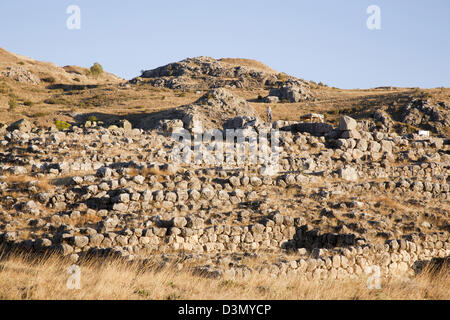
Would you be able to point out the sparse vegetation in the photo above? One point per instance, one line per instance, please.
(28, 103)
(96, 70)
(4, 88)
(92, 119)
(55, 100)
(119, 280)
(12, 104)
(373, 208)
(50, 80)
(38, 114)
(62, 125)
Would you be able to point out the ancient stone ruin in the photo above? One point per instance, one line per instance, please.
(214, 109)
(114, 192)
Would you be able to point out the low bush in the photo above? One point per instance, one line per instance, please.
(12, 104)
(62, 125)
(96, 70)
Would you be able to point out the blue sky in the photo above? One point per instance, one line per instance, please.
(323, 40)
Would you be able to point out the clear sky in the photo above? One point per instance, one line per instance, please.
(321, 40)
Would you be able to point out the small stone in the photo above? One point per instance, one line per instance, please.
(80, 241)
(179, 222)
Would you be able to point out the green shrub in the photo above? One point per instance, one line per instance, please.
(96, 69)
(4, 88)
(12, 104)
(28, 103)
(38, 114)
(55, 101)
(92, 119)
(62, 125)
(76, 79)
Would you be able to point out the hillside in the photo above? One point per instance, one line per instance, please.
(51, 73)
(70, 93)
(89, 174)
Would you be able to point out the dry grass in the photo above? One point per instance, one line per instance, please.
(390, 203)
(248, 63)
(43, 184)
(89, 218)
(45, 278)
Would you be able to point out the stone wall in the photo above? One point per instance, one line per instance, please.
(322, 255)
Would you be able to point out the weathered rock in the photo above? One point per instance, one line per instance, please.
(313, 128)
(22, 125)
(179, 222)
(347, 124)
(22, 75)
(348, 174)
(271, 99)
(80, 241)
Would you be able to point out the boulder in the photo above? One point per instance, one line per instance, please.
(80, 241)
(179, 222)
(350, 134)
(125, 124)
(171, 126)
(291, 91)
(241, 122)
(104, 172)
(317, 128)
(348, 174)
(271, 99)
(347, 124)
(22, 125)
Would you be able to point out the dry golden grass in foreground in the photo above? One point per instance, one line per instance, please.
(46, 278)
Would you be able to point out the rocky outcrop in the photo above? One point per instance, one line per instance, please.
(22, 125)
(202, 73)
(422, 114)
(291, 91)
(213, 109)
(20, 74)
